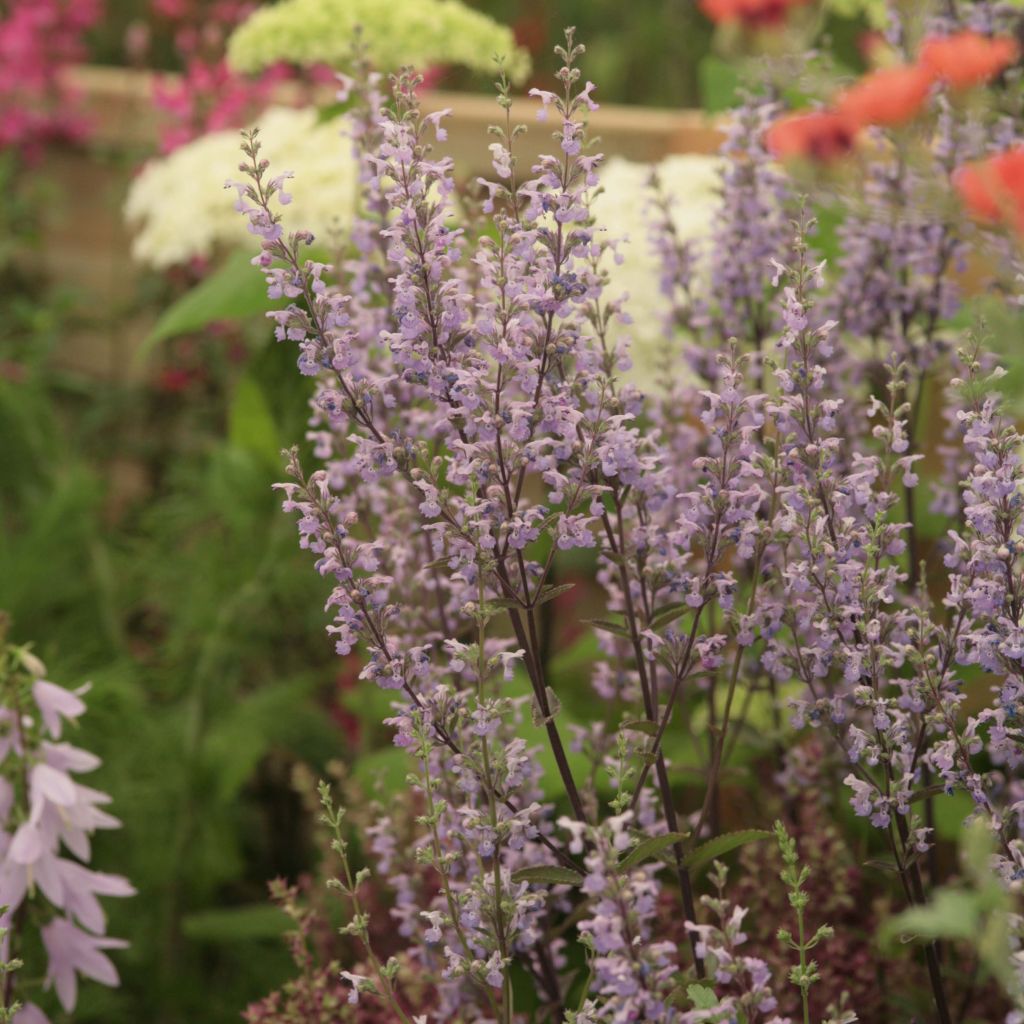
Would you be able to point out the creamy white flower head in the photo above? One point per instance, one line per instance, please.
(693, 183)
(183, 210)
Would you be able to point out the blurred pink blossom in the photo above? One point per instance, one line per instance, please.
(38, 39)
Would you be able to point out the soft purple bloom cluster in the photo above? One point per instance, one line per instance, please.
(46, 815)
(752, 228)
(757, 536)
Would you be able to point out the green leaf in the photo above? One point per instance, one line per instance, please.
(650, 848)
(668, 614)
(719, 81)
(605, 626)
(937, 789)
(252, 921)
(233, 292)
(524, 989)
(551, 592)
(950, 814)
(702, 997)
(251, 425)
(548, 875)
(882, 865)
(720, 845)
(641, 725)
(952, 914)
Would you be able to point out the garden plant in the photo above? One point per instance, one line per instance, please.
(757, 523)
(668, 523)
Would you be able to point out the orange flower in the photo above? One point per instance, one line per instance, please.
(993, 189)
(752, 13)
(968, 58)
(822, 135)
(886, 97)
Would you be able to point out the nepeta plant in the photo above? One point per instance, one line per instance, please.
(756, 529)
(48, 819)
(794, 877)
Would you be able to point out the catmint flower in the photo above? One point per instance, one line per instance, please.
(755, 525)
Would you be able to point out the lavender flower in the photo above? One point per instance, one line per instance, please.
(756, 536)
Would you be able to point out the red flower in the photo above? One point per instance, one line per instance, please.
(174, 379)
(993, 189)
(822, 135)
(968, 58)
(752, 13)
(886, 97)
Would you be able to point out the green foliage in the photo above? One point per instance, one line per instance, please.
(719, 81)
(545, 875)
(701, 997)
(233, 292)
(251, 426)
(235, 924)
(794, 877)
(198, 622)
(704, 854)
(647, 849)
(979, 911)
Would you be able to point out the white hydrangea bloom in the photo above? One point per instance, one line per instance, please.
(182, 209)
(694, 184)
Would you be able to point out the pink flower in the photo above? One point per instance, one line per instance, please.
(54, 703)
(75, 824)
(48, 783)
(28, 844)
(82, 886)
(67, 758)
(31, 859)
(31, 1014)
(55, 810)
(71, 952)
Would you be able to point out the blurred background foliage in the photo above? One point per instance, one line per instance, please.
(656, 53)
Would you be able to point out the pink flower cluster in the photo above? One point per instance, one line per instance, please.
(208, 96)
(42, 808)
(38, 39)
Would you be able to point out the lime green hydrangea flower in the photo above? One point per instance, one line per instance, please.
(396, 33)
(873, 10)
